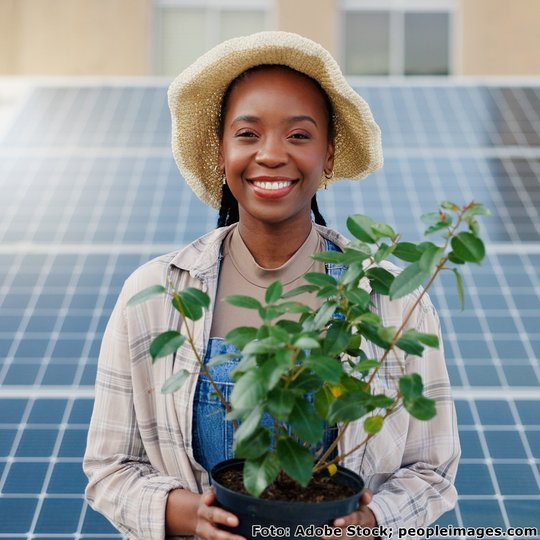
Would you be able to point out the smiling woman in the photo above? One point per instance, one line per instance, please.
(259, 125)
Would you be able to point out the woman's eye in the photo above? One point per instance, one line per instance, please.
(299, 136)
(246, 134)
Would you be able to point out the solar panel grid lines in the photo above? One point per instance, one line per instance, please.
(94, 192)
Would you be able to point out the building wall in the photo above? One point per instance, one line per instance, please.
(75, 37)
(316, 20)
(498, 37)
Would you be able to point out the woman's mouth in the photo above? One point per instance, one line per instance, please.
(272, 188)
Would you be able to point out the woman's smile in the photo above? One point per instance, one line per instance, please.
(272, 187)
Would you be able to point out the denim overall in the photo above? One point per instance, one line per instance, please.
(212, 434)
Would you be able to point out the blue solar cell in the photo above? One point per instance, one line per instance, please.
(60, 374)
(47, 411)
(474, 349)
(10, 323)
(68, 348)
(523, 513)
(25, 477)
(32, 348)
(73, 443)
(7, 436)
(59, 516)
(470, 444)
(37, 443)
(41, 323)
(533, 438)
(521, 375)
(81, 411)
(17, 514)
(22, 374)
(504, 444)
(474, 479)
(529, 412)
(516, 479)
(464, 414)
(89, 375)
(481, 513)
(95, 523)
(12, 410)
(493, 412)
(510, 348)
(67, 478)
(482, 376)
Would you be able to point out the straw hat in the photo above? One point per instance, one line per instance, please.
(195, 103)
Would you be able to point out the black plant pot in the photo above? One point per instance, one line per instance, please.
(260, 518)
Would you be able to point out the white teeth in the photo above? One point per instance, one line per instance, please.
(271, 185)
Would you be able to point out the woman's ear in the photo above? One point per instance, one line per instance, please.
(330, 152)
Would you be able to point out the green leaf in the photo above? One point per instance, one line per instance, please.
(421, 407)
(383, 252)
(292, 327)
(280, 403)
(242, 301)
(145, 294)
(252, 447)
(222, 358)
(371, 333)
(437, 227)
(166, 343)
(474, 226)
(327, 368)
(430, 258)
(358, 297)
(468, 247)
(299, 290)
(407, 281)
(476, 209)
(353, 274)
(241, 336)
(185, 304)
(306, 382)
(249, 425)
(332, 257)
(410, 345)
(337, 338)
(361, 227)
(322, 400)
(347, 407)
(373, 424)
(448, 205)
(459, 284)
(324, 314)
(407, 251)
(410, 386)
(382, 230)
(380, 279)
(273, 293)
(380, 401)
(196, 296)
(274, 367)
(452, 257)
(305, 423)
(260, 473)
(293, 307)
(295, 460)
(431, 218)
(320, 279)
(366, 365)
(249, 390)
(279, 334)
(172, 384)
(306, 342)
(386, 333)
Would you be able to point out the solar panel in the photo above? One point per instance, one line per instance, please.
(90, 191)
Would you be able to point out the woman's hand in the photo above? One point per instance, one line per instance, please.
(209, 516)
(363, 517)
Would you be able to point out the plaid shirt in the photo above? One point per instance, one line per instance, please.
(140, 441)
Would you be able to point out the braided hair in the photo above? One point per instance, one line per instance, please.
(228, 212)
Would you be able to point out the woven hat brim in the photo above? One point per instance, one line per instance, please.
(195, 101)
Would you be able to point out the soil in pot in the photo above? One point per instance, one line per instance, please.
(286, 518)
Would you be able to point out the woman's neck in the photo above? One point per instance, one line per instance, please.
(273, 245)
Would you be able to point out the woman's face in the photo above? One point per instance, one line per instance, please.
(275, 146)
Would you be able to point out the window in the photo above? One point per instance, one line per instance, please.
(397, 37)
(185, 29)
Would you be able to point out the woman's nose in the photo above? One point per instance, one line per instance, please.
(271, 152)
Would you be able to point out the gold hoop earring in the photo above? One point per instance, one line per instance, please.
(330, 175)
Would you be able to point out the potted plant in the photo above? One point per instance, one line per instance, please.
(306, 375)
